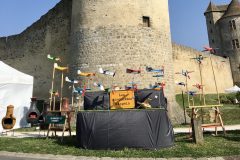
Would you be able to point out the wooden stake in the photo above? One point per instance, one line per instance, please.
(215, 120)
(200, 71)
(54, 102)
(185, 120)
(186, 82)
(61, 93)
(51, 94)
(221, 121)
(204, 100)
(72, 93)
(215, 79)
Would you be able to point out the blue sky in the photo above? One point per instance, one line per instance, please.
(187, 20)
(188, 25)
(17, 15)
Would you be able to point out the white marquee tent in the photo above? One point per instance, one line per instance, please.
(233, 89)
(15, 89)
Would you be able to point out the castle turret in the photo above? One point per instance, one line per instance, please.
(230, 33)
(224, 33)
(212, 15)
(121, 34)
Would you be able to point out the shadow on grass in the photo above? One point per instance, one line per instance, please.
(183, 137)
(70, 141)
(233, 135)
(230, 136)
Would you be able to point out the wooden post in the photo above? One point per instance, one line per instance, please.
(185, 120)
(214, 79)
(216, 116)
(200, 71)
(221, 121)
(72, 93)
(197, 131)
(51, 94)
(217, 109)
(61, 92)
(186, 83)
(54, 102)
(204, 100)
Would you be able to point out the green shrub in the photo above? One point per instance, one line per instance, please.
(238, 96)
(224, 99)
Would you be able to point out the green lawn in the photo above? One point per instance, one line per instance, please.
(213, 146)
(184, 147)
(230, 112)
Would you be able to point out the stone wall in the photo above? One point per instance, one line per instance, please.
(28, 51)
(221, 67)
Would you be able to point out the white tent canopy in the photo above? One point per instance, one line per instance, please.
(233, 89)
(15, 89)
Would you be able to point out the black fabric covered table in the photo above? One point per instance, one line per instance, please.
(147, 129)
(100, 100)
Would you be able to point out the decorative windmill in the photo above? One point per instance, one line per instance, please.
(72, 81)
(192, 94)
(99, 85)
(134, 72)
(158, 73)
(198, 86)
(107, 73)
(86, 74)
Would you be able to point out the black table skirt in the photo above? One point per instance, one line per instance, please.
(147, 129)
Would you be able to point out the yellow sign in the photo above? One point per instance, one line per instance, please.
(122, 99)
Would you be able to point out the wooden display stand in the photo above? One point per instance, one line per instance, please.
(218, 122)
(59, 122)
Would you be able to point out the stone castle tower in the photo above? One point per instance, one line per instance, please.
(223, 24)
(122, 34)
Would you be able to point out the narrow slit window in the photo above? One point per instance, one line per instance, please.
(232, 25)
(235, 44)
(146, 21)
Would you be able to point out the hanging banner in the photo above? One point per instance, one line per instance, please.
(122, 99)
